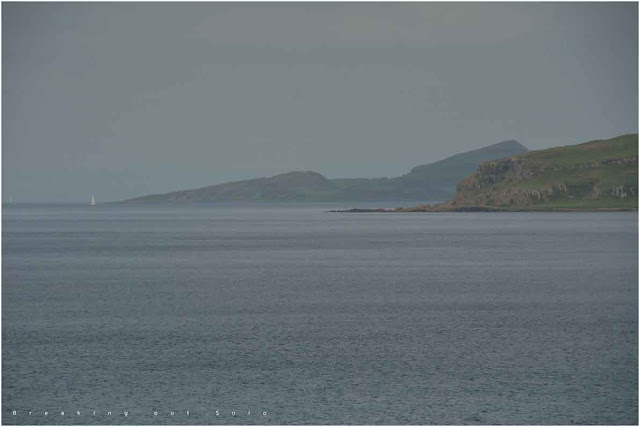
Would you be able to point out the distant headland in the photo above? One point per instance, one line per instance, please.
(433, 181)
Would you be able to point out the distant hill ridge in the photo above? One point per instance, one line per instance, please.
(495, 151)
(433, 181)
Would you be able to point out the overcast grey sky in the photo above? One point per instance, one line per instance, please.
(126, 99)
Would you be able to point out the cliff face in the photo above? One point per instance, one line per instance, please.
(594, 174)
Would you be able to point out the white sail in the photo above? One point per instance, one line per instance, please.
(93, 202)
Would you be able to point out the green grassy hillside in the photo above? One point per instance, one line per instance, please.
(599, 174)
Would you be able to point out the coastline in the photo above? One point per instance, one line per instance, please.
(436, 209)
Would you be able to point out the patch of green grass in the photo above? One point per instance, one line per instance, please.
(595, 151)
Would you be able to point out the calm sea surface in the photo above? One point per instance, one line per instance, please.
(316, 317)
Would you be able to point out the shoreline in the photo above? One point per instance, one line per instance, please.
(478, 209)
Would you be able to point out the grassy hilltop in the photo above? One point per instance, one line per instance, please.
(600, 174)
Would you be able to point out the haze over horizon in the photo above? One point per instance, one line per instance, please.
(125, 99)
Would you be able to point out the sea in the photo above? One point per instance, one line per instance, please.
(291, 314)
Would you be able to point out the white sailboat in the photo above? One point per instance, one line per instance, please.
(93, 201)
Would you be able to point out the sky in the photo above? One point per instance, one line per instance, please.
(126, 99)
